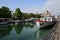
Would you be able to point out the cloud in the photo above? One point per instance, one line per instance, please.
(51, 5)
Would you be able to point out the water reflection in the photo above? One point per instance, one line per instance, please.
(5, 30)
(28, 24)
(19, 27)
(41, 33)
(22, 31)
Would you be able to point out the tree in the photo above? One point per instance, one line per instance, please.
(18, 14)
(37, 16)
(5, 12)
(27, 16)
(0, 12)
(32, 15)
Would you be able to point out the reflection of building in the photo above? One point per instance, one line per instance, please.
(47, 13)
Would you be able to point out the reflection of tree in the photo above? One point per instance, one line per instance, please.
(29, 25)
(5, 30)
(41, 33)
(18, 28)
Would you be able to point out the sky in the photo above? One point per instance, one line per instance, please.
(33, 5)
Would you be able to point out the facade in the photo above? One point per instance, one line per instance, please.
(47, 13)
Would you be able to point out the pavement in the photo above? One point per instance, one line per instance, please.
(57, 34)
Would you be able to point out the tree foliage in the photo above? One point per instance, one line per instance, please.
(18, 14)
(37, 16)
(32, 15)
(5, 12)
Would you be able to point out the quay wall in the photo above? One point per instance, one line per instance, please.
(51, 34)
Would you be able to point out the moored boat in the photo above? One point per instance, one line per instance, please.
(3, 21)
(46, 21)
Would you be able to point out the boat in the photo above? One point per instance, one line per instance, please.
(3, 21)
(46, 21)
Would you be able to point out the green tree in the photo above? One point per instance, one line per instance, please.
(37, 16)
(18, 14)
(0, 12)
(5, 12)
(27, 16)
(32, 15)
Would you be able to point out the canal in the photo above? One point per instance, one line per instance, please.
(22, 31)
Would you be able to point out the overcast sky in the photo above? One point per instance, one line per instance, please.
(33, 5)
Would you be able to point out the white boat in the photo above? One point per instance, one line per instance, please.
(46, 21)
(3, 21)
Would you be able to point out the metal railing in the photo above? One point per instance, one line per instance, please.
(51, 34)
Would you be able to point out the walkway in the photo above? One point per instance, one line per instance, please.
(57, 35)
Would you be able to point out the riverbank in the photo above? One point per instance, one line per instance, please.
(54, 33)
(16, 21)
(57, 35)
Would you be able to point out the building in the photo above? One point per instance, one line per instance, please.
(47, 13)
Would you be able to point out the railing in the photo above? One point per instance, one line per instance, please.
(51, 34)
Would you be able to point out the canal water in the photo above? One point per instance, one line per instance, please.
(22, 31)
